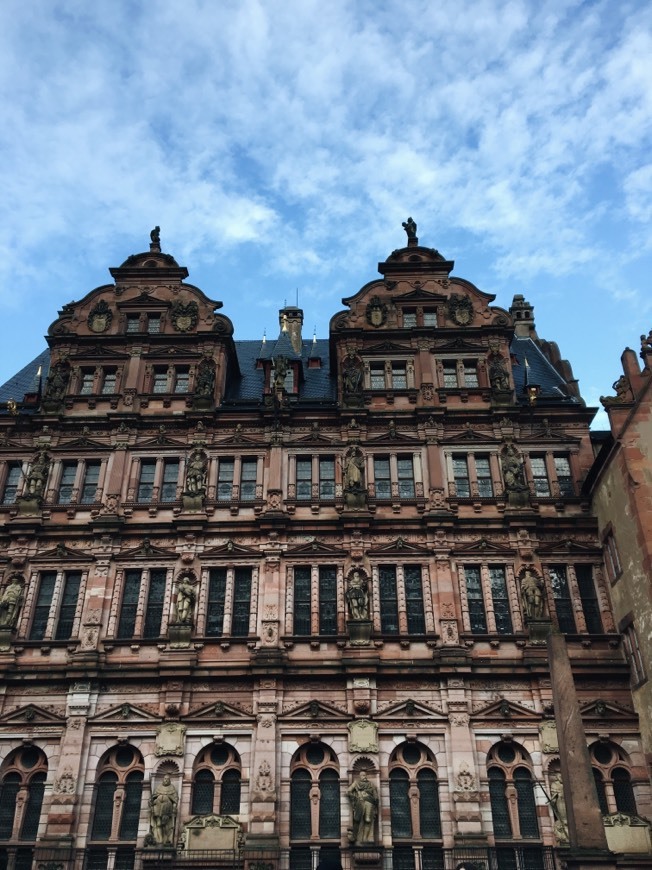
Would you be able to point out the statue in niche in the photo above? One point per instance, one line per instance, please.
(11, 602)
(196, 473)
(357, 596)
(37, 475)
(354, 469)
(558, 805)
(57, 382)
(352, 377)
(281, 369)
(205, 385)
(185, 604)
(498, 377)
(363, 796)
(532, 595)
(410, 228)
(513, 473)
(163, 812)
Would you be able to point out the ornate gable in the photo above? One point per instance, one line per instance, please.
(502, 710)
(316, 710)
(146, 550)
(61, 551)
(400, 548)
(32, 714)
(314, 548)
(483, 547)
(219, 712)
(124, 714)
(231, 550)
(411, 710)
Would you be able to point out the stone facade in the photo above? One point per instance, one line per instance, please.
(289, 600)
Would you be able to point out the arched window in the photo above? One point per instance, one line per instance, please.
(314, 803)
(511, 792)
(117, 806)
(23, 771)
(217, 781)
(414, 806)
(613, 780)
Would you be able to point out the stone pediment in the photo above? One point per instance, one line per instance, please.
(219, 712)
(124, 714)
(455, 345)
(419, 294)
(84, 442)
(158, 353)
(400, 547)
(502, 710)
(231, 550)
(483, 547)
(146, 550)
(393, 435)
(472, 437)
(544, 434)
(31, 714)
(315, 548)
(386, 347)
(162, 440)
(600, 709)
(313, 437)
(568, 547)
(95, 351)
(61, 551)
(315, 710)
(409, 709)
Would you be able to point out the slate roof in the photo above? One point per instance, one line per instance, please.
(318, 385)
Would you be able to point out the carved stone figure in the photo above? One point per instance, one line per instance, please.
(646, 343)
(352, 377)
(513, 473)
(357, 596)
(57, 382)
(410, 228)
(354, 469)
(465, 778)
(498, 377)
(532, 595)
(363, 797)
(186, 598)
(196, 473)
(163, 812)
(558, 805)
(11, 602)
(205, 385)
(281, 368)
(155, 236)
(38, 475)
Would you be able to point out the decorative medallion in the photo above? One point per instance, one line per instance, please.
(376, 312)
(184, 317)
(460, 309)
(100, 317)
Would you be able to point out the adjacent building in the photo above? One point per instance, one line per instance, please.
(284, 603)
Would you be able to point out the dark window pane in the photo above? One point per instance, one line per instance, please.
(300, 784)
(8, 795)
(69, 598)
(241, 602)
(461, 477)
(154, 607)
(248, 479)
(388, 599)
(129, 608)
(202, 793)
(182, 381)
(623, 791)
(125, 859)
(12, 480)
(377, 374)
(399, 377)
(475, 600)
(68, 475)
(540, 476)
(329, 804)
(109, 383)
(103, 815)
(414, 599)
(131, 806)
(327, 600)
(499, 812)
(470, 375)
(300, 859)
(500, 600)
(225, 480)
(432, 858)
(133, 323)
(399, 801)
(527, 811)
(216, 598)
(170, 480)
(304, 478)
(563, 604)
(483, 474)
(405, 477)
(326, 478)
(230, 794)
(89, 485)
(429, 815)
(450, 375)
(146, 480)
(564, 477)
(589, 598)
(302, 601)
(43, 604)
(382, 478)
(602, 795)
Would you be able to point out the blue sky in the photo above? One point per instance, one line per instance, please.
(279, 144)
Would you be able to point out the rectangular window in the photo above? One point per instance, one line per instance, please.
(450, 375)
(633, 655)
(12, 481)
(483, 475)
(87, 382)
(129, 609)
(409, 319)
(388, 599)
(71, 584)
(90, 482)
(561, 594)
(564, 476)
(153, 323)
(43, 604)
(248, 470)
(302, 598)
(461, 477)
(326, 478)
(154, 605)
(612, 557)
(181, 380)
(382, 478)
(133, 323)
(160, 381)
(153, 609)
(327, 600)
(477, 614)
(470, 374)
(540, 476)
(500, 599)
(430, 318)
(416, 620)
(170, 480)
(225, 479)
(377, 375)
(399, 376)
(304, 478)
(589, 599)
(67, 484)
(216, 600)
(109, 383)
(405, 477)
(146, 480)
(241, 602)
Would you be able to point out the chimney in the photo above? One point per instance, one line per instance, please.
(291, 321)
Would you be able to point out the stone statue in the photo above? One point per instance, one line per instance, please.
(163, 813)
(352, 377)
(363, 797)
(196, 473)
(532, 595)
(205, 385)
(513, 474)
(185, 605)
(155, 236)
(57, 382)
(281, 369)
(558, 805)
(498, 377)
(354, 469)
(410, 228)
(37, 475)
(357, 596)
(11, 602)
(646, 342)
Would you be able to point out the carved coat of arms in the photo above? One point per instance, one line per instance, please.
(460, 309)
(184, 317)
(100, 317)
(376, 312)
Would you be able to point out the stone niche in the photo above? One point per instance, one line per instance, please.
(211, 832)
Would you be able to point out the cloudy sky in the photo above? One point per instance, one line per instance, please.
(279, 144)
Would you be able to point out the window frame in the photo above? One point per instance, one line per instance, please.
(10, 489)
(227, 589)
